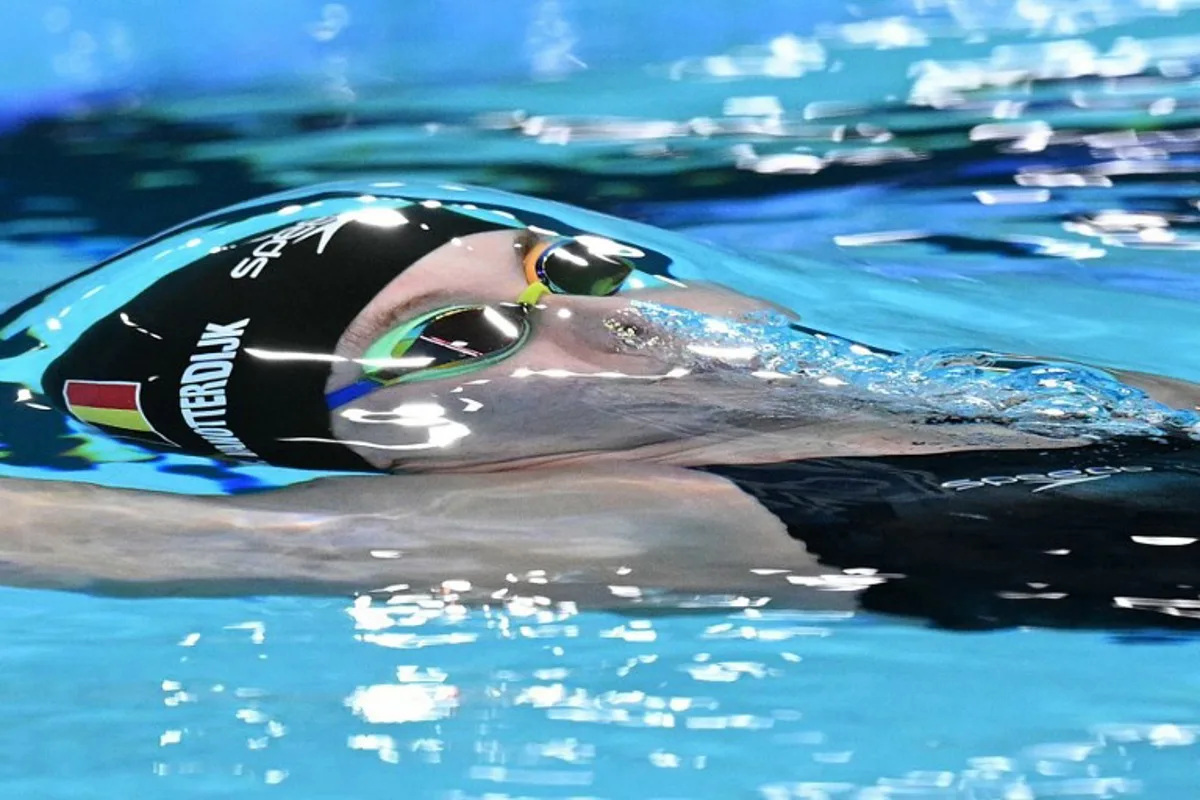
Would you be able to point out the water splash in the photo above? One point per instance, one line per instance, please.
(1054, 398)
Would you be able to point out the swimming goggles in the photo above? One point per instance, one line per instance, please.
(460, 339)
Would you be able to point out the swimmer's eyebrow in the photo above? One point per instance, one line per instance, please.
(362, 332)
(525, 240)
(365, 330)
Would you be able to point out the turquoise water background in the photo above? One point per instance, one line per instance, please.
(917, 173)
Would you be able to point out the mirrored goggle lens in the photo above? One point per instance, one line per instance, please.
(445, 341)
(568, 267)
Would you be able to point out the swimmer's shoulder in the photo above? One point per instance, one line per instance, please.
(1106, 534)
(1136, 475)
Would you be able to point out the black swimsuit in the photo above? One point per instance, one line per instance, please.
(1078, 536)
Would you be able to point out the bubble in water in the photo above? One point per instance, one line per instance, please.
(1047, 397)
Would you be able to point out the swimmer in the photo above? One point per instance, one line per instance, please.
(510, 384)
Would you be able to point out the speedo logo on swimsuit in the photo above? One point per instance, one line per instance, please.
(272, 245)
(202, 388)
(1044, 480)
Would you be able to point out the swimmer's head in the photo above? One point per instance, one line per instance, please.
(388, 328)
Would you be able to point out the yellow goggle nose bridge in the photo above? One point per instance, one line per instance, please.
(533, 292)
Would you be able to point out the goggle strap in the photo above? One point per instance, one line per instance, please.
(348, 394)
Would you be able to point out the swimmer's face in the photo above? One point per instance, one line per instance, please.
(568, 389)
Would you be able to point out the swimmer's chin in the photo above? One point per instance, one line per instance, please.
(855, 436)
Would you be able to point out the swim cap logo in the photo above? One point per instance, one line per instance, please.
(202, 400)
(272, 245)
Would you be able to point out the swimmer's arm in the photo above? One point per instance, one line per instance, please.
(673, 527)
(1171, 392)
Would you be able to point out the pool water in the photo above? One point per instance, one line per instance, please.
(409, 697)
(1019, 176)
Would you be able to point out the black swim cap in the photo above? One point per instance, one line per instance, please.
(174, 365)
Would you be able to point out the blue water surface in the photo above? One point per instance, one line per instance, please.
(1013, 175)
(418, 698)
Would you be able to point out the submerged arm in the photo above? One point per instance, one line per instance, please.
(1171, 392)
(675, 528)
